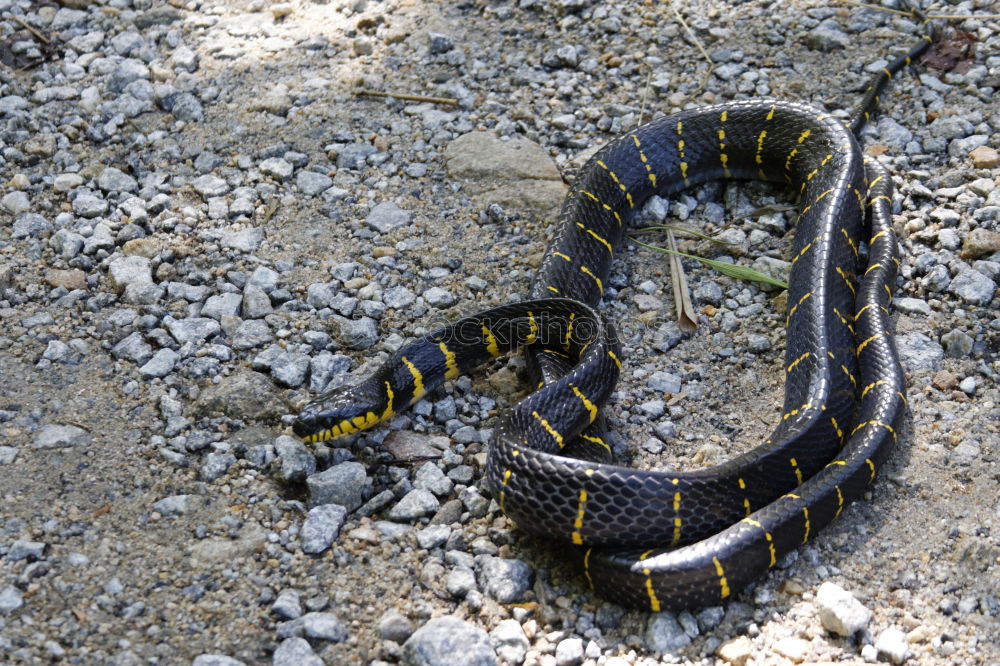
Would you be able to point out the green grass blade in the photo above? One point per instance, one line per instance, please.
(732, 270)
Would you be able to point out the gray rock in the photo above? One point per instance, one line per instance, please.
(115, 180)
(446, 641)
(569, 652)
(287, 605)
(161, 364)
(965, 453)
(276, 168)
(133, 348)
(957, 343)
(7, 455)
(13, 103)
(216, 660)
(312, 183)
(433, 535)
(256, 302)
(667, 336)
(912, 306)
(665, 634)
(321, 294)
(209, 186)
(11, 599)
(244, 395)
(839, 611)
(276, 100)
(398, 297)
(66, 243)
(216, 465)
(653, 409)
(33, 225)
(358, 333)
(430, 477)
(297, 462)
(253, 333)
(88, 204)
(26, 550)
(290, 369)
(323, 627)
(439, 298)
(505, 580)
(184, 106)
(57, 351)
(460, 582)
(509, 641)
(173, 506)
(415, 504)
(387, 216)
(295, 651)
(394, 626)
(341, 484)
(192, 329)
(15, 203)
(222, 304)
(265, 278)
(321, 527)
(324, 368)
(101, 239)
(245, 240)
(973, 287)
(59, 436)
(353, 156)
(827, 37)
(918, 352)
(892, 646)
(709, 292)
(129, 270)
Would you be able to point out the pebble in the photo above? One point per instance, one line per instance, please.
(216, 660)
(892, 646)
(321, 527)
(839, 611)
(287, 605)
(394, 626)
(57, 436)
(415, 504)
(295, 652)
(445, 641)
(972, 287)
(502, 579)
(665, 634)
(509, 641)
(341, 484)
(569, 652)
(297, 463)
(11, 599)
(735, 651)
(387, 217)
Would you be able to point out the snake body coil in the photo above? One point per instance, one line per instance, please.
(660, 539)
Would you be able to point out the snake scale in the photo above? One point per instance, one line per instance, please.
(661, 540)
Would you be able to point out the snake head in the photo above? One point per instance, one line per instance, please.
(341, 412)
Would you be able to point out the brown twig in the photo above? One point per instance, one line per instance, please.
(42, 38)
(409, 98)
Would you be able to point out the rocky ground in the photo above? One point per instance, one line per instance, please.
(203, 224)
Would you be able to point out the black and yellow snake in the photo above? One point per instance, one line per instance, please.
(663, 539)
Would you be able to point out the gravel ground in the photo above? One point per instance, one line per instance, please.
(202, 225)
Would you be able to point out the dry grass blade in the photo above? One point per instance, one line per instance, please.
(732, 270)
(687, 318)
